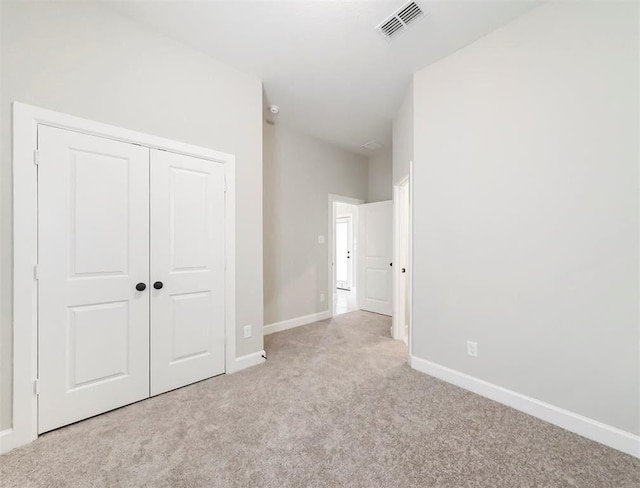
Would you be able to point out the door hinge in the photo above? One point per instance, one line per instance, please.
(36, 272)
(36, 157)
(36, 386)
(225, 184)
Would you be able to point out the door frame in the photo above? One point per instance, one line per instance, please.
(397, 327)
(331, 240)
(26, 119)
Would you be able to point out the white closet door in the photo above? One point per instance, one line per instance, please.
(93, 224)
(375, 250)
(187, 256)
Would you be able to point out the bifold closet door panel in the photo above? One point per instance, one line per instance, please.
(93, 225)
(187, 270)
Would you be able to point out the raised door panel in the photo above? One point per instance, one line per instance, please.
(100, 213)
(98, 343)
(378, 240)
(187, 256)
(93, 224)
(377, 284)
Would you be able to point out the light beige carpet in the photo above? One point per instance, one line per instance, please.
(335, 405)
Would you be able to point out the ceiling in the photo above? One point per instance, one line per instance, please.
(333, 76)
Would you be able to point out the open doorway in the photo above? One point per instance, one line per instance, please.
(403, 258)
(344, 248)
(343, 225)
(345, 287)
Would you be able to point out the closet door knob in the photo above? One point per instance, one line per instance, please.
(141, 287)
(158, 285)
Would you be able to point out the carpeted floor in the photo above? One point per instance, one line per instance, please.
(335, 405)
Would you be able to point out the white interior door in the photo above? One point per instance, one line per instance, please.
(344, 252)
(375, 257)
(93, 227)
(187, 256)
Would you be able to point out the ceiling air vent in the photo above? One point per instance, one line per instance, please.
(409, 13)
(399, 20)
(372, 145)
(390, 27)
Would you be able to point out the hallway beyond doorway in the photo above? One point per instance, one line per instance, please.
(345, 301)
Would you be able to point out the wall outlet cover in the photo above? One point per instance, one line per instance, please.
(472, 349)
(247, 331)
(320, 239)
(322, 297)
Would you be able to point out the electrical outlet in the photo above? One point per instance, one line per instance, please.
(320, 239)
(247, 331)
(472, 349)
(322, 297)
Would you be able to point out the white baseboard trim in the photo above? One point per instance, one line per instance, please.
(296, 322)
(578, 424)
(244, 362)
(6, 440)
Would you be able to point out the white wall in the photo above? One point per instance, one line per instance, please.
(79, 59)
(379, 169)
(526, 209)
(345, 210)
(299, 174)
(402, 129)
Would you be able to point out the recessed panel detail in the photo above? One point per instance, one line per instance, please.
(190, 214)
(377, 238)
(377, 285)
(191, 325)
(99, 214)
(98, 343)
